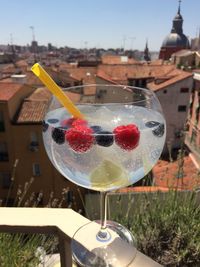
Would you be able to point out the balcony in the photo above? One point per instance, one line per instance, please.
(34, 146)
(56, 221)
(192, 146)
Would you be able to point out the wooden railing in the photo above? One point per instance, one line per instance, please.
(62, 222)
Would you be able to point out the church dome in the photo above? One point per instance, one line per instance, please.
(176, 40)
(178, 17)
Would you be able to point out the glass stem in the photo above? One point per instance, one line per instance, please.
(103, 234)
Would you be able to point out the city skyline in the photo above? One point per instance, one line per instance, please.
(85, 24)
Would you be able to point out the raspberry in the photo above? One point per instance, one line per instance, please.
(127, 136)
(80, 138)
(72, 122)
(67, 123)
(58, 136)
(79, 122)
(104, 138)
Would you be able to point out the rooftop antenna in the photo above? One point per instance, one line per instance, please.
(124, 42)
(11, 39)
(33, 33)
(132, 39)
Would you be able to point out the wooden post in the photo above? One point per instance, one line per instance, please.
(65, 250)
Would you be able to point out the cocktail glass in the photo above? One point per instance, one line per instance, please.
(116, 143)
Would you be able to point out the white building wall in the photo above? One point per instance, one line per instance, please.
(171, 98)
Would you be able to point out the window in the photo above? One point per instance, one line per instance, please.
(197, 113)
(5, 179)
(193, 137)
(165, 91)
(182, 108)
(3, 152)
(33, 142)
(33, 137)
(131, 82)
(144, 83)
(184, 90)
(137, 83)
(36, 169)
(2, 126)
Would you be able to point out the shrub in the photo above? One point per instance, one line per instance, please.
(167, 227)
(27, 250)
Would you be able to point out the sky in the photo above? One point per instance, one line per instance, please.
(95, 23)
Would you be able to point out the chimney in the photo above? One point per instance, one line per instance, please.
(18, 78)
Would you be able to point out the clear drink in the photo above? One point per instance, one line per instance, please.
(106, 165)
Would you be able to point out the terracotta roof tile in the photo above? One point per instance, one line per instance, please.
(143, 189)
(114, 59)
(123, 72)
(10, 68)
(171, 78)
(32, 111)
(40, 94)
(8, 90)
(22, 63)
(75, 98)
(34, 107)
(166, 174)
(32, 79)
(79, 73)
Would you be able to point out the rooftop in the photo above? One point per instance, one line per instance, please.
(120, 73)
(32, 111)
(179, 173)
(34, 107)
(172, 77)
(8, 90)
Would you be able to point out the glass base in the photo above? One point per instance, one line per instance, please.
(109, 249)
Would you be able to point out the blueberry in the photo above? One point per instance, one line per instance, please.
(58, 135)
(151, 124)
(104, 138)
(53, 121)
(45, 126)
(96, 128)
(159, 131)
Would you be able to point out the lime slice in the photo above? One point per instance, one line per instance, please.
(107, 175)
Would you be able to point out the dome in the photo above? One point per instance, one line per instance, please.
(176, 40)
(178, 17)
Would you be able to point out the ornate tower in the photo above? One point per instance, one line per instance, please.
(147, 56)
(176, 40)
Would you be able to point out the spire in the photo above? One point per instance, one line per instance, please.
(178, 21)
(179, 7)
(147, 56)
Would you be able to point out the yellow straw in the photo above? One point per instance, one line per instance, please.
(56, 90)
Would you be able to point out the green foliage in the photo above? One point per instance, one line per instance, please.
(22, 250)
(26, 250)
(167, 227)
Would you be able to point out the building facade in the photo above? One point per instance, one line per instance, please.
(193, 135)
(24, 164)
(174, 96)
